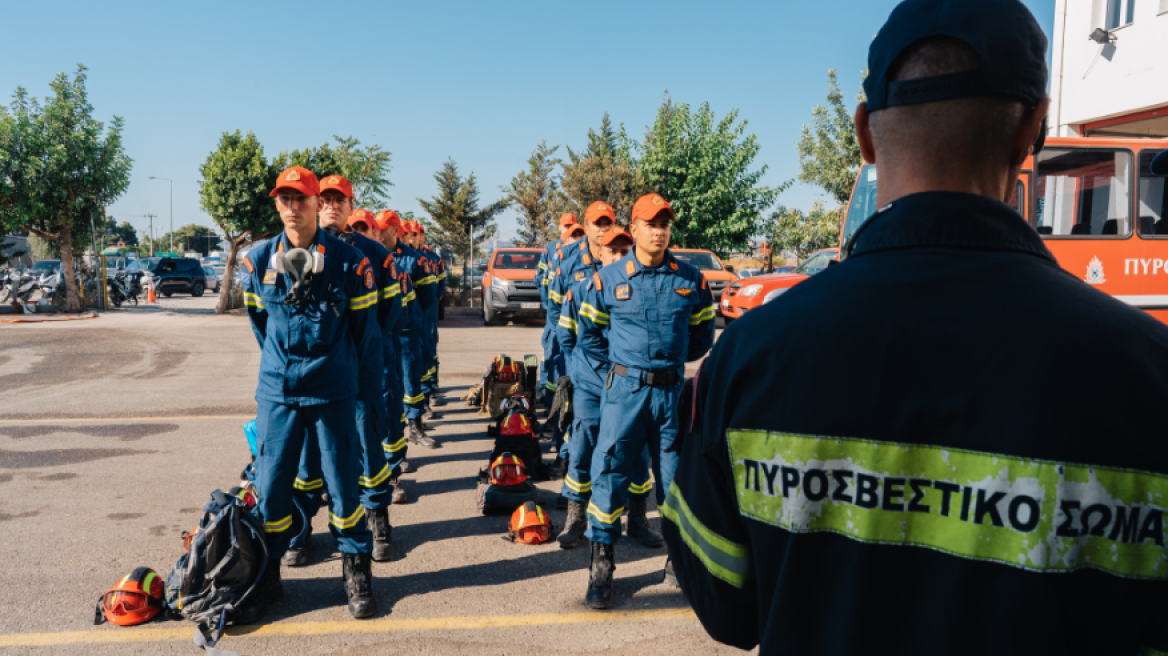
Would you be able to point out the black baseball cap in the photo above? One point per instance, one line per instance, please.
(1009, 44)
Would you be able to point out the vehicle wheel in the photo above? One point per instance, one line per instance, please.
(167, 294)
(197, 290)
(490, 317)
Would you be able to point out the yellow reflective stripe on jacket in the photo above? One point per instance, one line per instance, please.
(442, 276)
(391, 290)
(396, 446)
(308, 486)
(567, 322)
(362, 302)
(253, 300)
(605, 518)
(592, 314)
(577, 486)
(703, 315)
(278, 527)
(343, 523)
(724, 559)
(641, 489)
(428, 280)
(380, 478)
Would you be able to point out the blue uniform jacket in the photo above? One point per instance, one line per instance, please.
(584, 366)
(418, 267)
(568, 271)
(944, 444)
(541, 272)
(389, 308)
(311, 352)
(649, 318)
(438, 270)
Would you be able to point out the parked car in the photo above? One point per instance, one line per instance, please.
(786, 268)
(747, 273)
(509, 290)
(718, 276)
(45, 266)
(213, 279)
(746, 295)
(171, 275)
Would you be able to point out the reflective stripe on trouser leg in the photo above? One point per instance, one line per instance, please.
(372, 425)
(307, 489)
(411, 359)
(586, 404)
(280, 431)
(429, 347)
(335, 431)
(394, 390)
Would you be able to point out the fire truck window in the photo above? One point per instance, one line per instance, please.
(1019, 195)
(1083, 192)
(1152, 202)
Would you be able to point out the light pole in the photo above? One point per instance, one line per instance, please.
(171, 182)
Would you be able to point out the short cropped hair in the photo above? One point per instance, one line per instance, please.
(974, 131)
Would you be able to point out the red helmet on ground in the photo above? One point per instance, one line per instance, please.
(506, 370)
(530, 524)
(516, 424)
(135, 599)
(508, 470)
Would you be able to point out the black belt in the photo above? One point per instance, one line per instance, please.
(662, 378)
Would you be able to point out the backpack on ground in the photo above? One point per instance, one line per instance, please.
(504, 486)
(514, 433)
(226, 559)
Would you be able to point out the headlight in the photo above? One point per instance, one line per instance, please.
(501, 283)
(774, 294)
(750, 290)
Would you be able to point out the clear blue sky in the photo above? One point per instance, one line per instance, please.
(481, 82)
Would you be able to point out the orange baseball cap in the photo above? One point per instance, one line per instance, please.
(387, 219)
(597, 210)
(616, 234)
(407, 226)
(337, 183)
(567, 219)
(362, 216)
(649, 206)
(419, 228)
(571, 230)
(298, 178)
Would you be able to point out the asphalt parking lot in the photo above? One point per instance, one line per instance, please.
(113, 431)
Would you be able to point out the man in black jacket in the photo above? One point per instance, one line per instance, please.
(944, 444)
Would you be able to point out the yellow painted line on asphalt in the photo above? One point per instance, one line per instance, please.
(185, 325)
(93, 419)
(112, 635)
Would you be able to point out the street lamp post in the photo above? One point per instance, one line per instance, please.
(171, 182)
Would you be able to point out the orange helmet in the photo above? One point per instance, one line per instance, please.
(506, 370)
(135, 599)
(508, 470)
(530, 525)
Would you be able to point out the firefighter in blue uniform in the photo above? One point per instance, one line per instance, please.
(386, 224)
(417, 267)
(561, 277)
(651, 313)
(898, 456)
(547, 261)
(338, 218)
(588, 370)
(438, 270)
(312, 301)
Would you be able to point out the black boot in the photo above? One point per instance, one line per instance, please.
(600, 576)
(358, 570)
(670, 576)
(298, 556)
(436, 399)
(269, 589)
(574, 525)
(378, 521)
(428, 411)
(417, 435)
(399, 491)
(639, 527)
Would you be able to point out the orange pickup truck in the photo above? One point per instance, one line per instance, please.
(718, 275)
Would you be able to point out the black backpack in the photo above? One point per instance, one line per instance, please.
(226, 560)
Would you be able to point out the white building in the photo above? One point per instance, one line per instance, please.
(1117, 88)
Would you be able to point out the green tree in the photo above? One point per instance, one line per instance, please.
(829, 156)
(604, 170)
(365, 168)
(234, 191)
(803, 233)
(702, 166)
(58, 167)
(534, 191)
(455, 216)
(114, 232)
(192, 237)
(9, 251)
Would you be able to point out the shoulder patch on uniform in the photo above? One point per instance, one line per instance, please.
(630, 268)
(580, 276)
(596, 279)
(270, 277)
(247, 263)
(388, 259)
(684, 291)
(623, 291)
(673, 265)
(568, 296)
(369, 284)
(586, 258)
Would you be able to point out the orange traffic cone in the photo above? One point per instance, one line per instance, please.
(150, 297)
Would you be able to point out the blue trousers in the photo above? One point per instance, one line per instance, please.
(394, 440)
(635, 416)
(553, 363)
(586, 406)
(331, 429)
(430, 349)
(412, 372)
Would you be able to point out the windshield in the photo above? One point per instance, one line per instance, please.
(703, 261)
(862, 205)
(517, 260)
(815, 263)
(47, 265)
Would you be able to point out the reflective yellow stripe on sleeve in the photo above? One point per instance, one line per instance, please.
(724, 559)
(704, 314)
(555, 296)
(567, 322)
(391, 290)
(592, 314)
(253, 300)
(428, 280)
(362, 302)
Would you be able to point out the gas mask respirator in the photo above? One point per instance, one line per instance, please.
(301, 265)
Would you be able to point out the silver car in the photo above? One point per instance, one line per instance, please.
(213, 278)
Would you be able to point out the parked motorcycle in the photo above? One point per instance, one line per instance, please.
(119, 290)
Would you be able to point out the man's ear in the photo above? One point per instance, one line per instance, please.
(864, 134)
(1028, 132)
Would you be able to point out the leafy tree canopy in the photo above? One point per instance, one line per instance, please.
(455, 215)
(829, 156)
(535, 191)
(604, 170)
(365, 168)
(801, 232)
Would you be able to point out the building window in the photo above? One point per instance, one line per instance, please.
(1120, 13)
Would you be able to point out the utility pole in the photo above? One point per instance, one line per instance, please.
(171, 182)
(151, 217)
